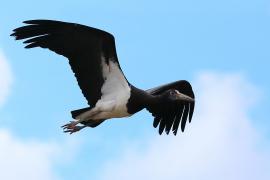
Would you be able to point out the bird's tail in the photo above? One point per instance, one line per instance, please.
(77, 112)
(92, 124)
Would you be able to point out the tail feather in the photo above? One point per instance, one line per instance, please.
(77, 112)
(92, 124)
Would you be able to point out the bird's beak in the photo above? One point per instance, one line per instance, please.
(184, 97)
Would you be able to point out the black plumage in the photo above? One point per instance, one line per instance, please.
(92, 56)
(82, 45)
(169, 114)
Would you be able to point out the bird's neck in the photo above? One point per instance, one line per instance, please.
(140, 99)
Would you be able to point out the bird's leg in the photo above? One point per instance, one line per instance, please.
(72, 127)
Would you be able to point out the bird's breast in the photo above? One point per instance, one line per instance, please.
(115, 92)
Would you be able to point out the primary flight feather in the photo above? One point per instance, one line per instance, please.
(92, 56)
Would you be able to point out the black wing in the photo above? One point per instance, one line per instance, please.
(84, 47)
(169, 117)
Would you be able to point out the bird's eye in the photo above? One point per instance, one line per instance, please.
(172, 92)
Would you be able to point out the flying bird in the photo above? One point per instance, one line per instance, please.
(92, 56)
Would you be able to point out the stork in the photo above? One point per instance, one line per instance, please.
(92, 56)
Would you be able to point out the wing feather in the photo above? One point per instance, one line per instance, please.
(184, 118)
(84, 47)
(169, 116)
(156, 121)
(178, 119)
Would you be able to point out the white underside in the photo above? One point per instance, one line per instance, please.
(115, 95)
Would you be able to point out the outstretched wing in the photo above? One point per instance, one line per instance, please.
(170, 115)
(85, 47)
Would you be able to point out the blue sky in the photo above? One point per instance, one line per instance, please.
(157, 42)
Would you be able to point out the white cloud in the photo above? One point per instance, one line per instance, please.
(21, 159)
(29, 160)
(220, 143)
(5, 78)
(32, 159)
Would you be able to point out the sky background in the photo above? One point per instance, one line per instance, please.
(221, 47)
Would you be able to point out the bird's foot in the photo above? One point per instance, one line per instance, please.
(72, 127)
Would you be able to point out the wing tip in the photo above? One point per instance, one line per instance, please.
(28, 21)
(37, 21)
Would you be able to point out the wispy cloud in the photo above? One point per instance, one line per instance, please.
(33, 159)
(5, 78)
(220, 143)
(21, 159)
(29, 160)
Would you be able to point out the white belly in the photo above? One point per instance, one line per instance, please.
(116, 113)
(115, 93)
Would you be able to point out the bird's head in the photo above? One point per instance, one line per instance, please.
(173, 94)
